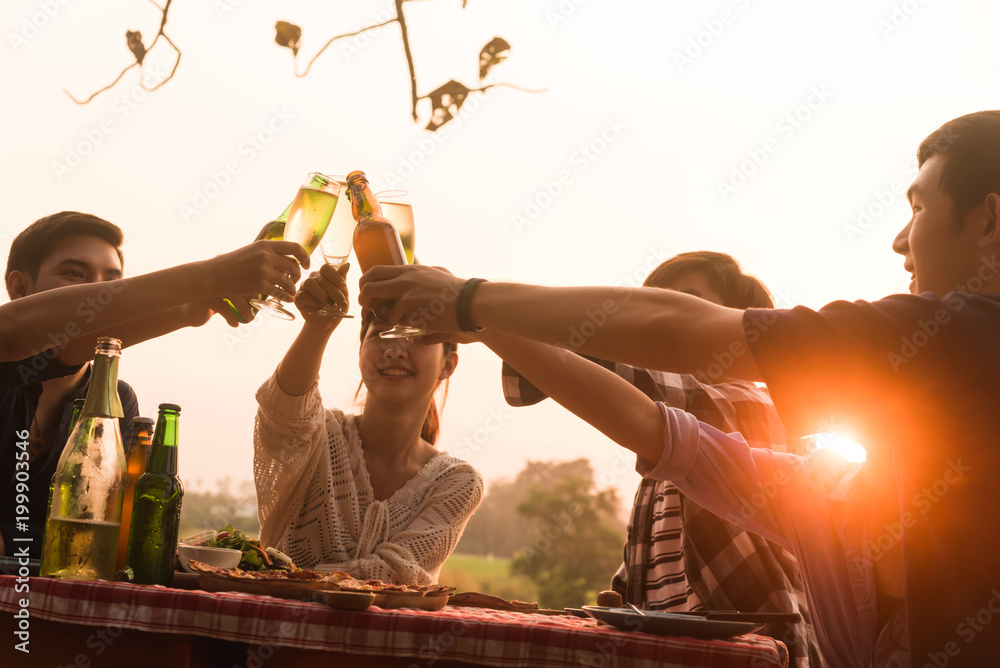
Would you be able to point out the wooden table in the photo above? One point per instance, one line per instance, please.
(89, 624)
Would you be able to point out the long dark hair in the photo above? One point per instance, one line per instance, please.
(432, 421)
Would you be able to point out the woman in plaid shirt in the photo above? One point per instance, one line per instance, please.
(679, 556)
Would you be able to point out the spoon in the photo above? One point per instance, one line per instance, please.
(636, 610)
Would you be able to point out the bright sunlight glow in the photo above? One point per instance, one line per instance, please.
(851, 450)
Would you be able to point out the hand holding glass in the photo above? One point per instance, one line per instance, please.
(397, 208)
(308, 218)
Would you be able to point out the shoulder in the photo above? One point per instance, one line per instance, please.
(39, 367)
(893, 308)
(125, 390)
(445, 467)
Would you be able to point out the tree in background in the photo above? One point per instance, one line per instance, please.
(496, 528)
(571, 519)
(220, 506)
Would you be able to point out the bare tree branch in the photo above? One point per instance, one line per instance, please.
(139, 52)
(409, 56)
(496, 85)
(334, 39)
(102, 89)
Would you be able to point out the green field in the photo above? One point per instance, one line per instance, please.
(489, 575)
(478, 566)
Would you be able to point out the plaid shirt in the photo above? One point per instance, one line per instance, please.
(680, 556)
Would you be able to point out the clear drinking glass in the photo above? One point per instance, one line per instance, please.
(337, 242)
(396, 206)
(308, 218)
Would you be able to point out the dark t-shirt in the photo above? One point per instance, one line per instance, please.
(916, 380)
(20, 388)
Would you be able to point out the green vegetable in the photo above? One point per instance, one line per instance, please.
(233, 538)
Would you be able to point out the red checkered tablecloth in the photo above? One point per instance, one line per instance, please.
(474, 635)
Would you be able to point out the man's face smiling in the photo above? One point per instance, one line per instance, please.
(939, 251)
(75, 260)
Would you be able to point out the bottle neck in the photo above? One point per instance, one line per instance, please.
(364, 205)
(283, 217)
(318, 181)
(102, 396)
(163, 455)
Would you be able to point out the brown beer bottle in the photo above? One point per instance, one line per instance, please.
(376, 241)
(136, 457)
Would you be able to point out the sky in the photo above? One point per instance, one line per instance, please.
(781, 132)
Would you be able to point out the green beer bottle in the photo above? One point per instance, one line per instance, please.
(81, 530)
(156, 510)
(272, 231)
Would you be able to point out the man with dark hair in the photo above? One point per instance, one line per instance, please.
(899, 555)
(678, 556)
(64, 278)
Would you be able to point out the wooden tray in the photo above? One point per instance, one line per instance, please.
(490, 602)
(395, 601)
(302, 591)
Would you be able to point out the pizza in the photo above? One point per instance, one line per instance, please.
(308, 579)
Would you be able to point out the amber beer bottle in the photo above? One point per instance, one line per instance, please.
(376, 241)
(81, 530)
(156, 511)
(136, 456)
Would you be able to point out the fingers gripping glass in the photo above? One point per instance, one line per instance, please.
(308, 219)
(397, 208)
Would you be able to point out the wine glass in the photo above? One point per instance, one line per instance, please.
(397, 208)
(337, 242)
(308, 218)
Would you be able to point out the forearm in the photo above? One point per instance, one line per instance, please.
(606, 401)
(55, 318)
(651, 328)
(299, 368)
(81, 349)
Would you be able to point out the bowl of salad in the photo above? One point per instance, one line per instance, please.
(220, 548)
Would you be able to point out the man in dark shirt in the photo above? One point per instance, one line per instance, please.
(900, 555)
(37, 394)
(64, 278)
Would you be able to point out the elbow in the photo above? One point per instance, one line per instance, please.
(15, 342)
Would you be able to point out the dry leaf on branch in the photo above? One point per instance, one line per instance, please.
(443, 99)
(289, 35)
(495, 51)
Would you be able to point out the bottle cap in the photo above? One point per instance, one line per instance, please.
(170, 407)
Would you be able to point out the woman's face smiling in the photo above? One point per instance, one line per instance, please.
(397, 370)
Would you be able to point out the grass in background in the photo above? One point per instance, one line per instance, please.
(489, 575)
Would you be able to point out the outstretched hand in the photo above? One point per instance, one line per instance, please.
(326, 287)
(418, 295)
(261, 268)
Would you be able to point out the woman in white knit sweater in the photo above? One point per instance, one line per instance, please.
(367, 494)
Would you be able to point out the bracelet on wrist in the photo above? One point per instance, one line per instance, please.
(462, 305)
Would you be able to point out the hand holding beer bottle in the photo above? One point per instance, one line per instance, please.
(376, 240)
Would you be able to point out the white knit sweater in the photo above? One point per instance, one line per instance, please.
(315, 500)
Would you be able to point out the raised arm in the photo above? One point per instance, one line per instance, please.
(299, 368)
(647, 327)
(141, 307)
(598, 396)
